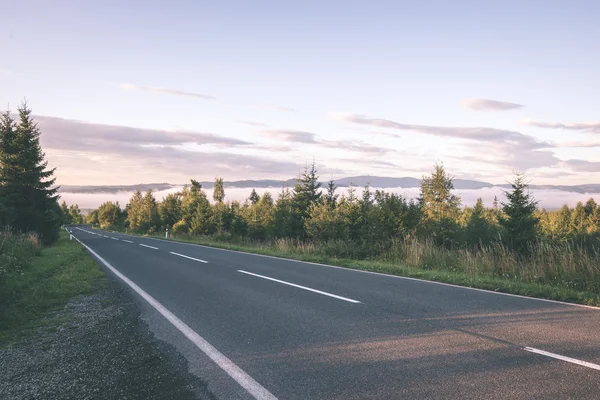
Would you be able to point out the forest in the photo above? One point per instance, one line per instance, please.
(512, 239)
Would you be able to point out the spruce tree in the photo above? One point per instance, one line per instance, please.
(306, 193)
(26, 182)
(254, 197)
(66, 214)
(519, 222)
(331, 197)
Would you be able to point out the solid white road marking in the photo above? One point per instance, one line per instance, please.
(301, 287)
(191, 258)
(242, 378)
(563, 358)
(128, 241)
(150, 247)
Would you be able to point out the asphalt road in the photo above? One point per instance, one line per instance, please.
(294, 330)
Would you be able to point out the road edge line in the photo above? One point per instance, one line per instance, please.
(235, 372)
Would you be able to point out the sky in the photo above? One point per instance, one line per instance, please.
(142, 92)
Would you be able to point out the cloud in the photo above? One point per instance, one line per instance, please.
(470, 133)
(5, 71)
(252, 123)
(87, 153)
(581, 144)
(489, 105)
(360, 147)
(66, 134)
(129, 86)
(588, 127)
(490, 145)
(583, 165)
(290, 135)
(116, 153)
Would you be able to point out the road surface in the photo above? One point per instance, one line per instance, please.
(268, 328)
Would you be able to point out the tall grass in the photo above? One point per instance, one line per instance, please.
(16, 252)
(566, 265)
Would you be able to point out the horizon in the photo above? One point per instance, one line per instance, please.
(252, 92)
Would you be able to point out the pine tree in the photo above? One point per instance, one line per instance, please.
(478, 229)
(283, 214)
(519, 222)
(67, 219)
(306, 193)
(590, 207)
(331, 198)
(26, 182)
(254, 197)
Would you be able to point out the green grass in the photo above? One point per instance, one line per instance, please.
(462, 276)
(44, 284)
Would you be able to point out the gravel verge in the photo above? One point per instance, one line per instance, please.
(101, 349)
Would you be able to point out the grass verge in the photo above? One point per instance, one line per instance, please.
(50, 279)
(467, 279)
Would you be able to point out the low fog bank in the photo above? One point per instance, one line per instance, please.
(549, 199)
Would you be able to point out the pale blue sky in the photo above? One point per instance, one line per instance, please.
(338, 64)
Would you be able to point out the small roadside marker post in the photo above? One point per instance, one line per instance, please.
(167, 233)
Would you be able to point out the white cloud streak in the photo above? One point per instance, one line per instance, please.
(489, 105)
(289, 135)
(132, 87)
(586, 127)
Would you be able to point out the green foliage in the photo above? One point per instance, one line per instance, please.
(331, 197)
(219, 191)
(306, 193)
(170, 210)
(519, 222)
(254, 197)
(110, 215)
(92, 217)
(441, 208)
(46, 280)
(29, 200)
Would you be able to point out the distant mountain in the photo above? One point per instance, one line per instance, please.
(358, 181)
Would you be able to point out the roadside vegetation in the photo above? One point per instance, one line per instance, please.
(512, 246)
(39, 268)
(36, 281)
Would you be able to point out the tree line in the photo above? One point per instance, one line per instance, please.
(370, 221)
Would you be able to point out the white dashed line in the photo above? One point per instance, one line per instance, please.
(191, 258)
(150, 247)
(563, 358)
(128, 241)
(301, 287)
